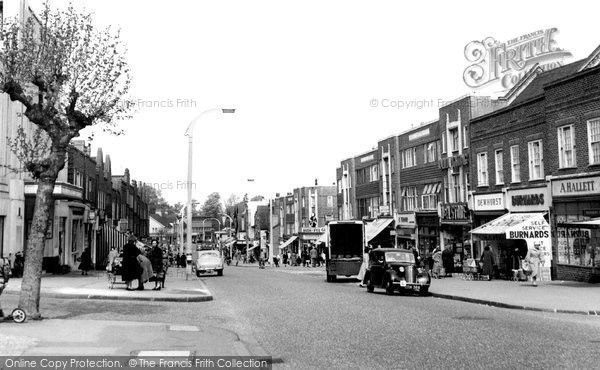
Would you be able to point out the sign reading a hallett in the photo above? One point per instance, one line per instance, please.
(584, 186)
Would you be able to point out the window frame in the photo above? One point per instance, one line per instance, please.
(530, 147)
(590, 143)
(482, 173)
(560, 136)
(499, 173)
(515, 176)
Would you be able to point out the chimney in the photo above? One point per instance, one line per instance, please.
(276, 195)
(316, 182)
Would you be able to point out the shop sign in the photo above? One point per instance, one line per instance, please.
(312, 230)
(528, 200)
(536, 232)
(454, 161)
(489, 202)
(406, 220)
(585, 186)
(454, 212)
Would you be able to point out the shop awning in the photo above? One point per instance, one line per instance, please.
(230, 241)
(375, 227)
(252, 247)
(503, 223)
(288, 242)
(592, 224)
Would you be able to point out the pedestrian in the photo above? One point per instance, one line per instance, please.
(323, 258)
(11, 262)
(415, 252)
(146, 270)
(4, 276)
(238, 257)
(18, 265)
(285, 259)
(313, 256)
(131, 269)
(487, 259)
(534, 260)
(276, 260)
(448, 261)
(437, 263)
(156, 258)
(362, 272)
(86, 261)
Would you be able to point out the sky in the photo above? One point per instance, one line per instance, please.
(313, 82)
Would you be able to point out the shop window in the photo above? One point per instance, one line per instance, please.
(579, 247)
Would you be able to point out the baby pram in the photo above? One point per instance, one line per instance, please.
(113, 270)
(471, 270)
(18, 315)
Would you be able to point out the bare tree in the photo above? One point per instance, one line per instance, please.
(68, 75)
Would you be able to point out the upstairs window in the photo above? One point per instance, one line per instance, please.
(566, 147)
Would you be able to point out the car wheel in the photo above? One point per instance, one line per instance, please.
(219, 272)
(424, 290)
(370, 287)
(197, 273)
(389, 289)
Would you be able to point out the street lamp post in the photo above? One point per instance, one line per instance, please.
(189, 134)
(228, 231)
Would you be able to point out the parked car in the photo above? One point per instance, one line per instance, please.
(209, 261)
(395, 269)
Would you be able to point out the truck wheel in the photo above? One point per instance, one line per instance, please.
(219, 272)
(197, 273)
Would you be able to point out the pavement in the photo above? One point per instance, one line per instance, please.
(178, 287)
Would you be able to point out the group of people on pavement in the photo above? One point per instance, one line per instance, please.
(144, 266)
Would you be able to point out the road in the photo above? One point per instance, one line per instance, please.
(304, 322)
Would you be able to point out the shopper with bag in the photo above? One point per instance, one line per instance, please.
(533, 260)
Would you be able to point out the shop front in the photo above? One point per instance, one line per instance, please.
(455, 224)
(575, 228)
(379, 232)
(510, 237)
(310, 237)
(406, 230)
(486, 208)
(428, 232)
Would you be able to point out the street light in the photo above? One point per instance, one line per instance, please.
(228, 231)
(188, 133)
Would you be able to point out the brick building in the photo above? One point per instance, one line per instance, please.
(538, 156)
(420, 187)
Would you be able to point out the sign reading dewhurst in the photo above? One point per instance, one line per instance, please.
(507, 62)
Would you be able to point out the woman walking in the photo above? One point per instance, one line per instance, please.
(131, 269)
(534, 259)
(487, 258)
(156, 258)
(86, 262)
(437, 262)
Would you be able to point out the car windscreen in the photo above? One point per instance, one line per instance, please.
(209, 255)
(391, 257)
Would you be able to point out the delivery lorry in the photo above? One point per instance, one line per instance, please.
(346, 242)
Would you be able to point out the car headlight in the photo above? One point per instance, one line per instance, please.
(401, 269)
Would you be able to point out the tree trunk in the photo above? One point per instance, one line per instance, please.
(29, 299)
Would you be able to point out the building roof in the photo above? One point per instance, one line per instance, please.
(166, 221)
(536, 87)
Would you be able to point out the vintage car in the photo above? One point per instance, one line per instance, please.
(209, 261)
(395, 269)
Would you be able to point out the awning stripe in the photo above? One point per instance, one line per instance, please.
(288, 242)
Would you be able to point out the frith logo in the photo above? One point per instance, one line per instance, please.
(507, 62)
